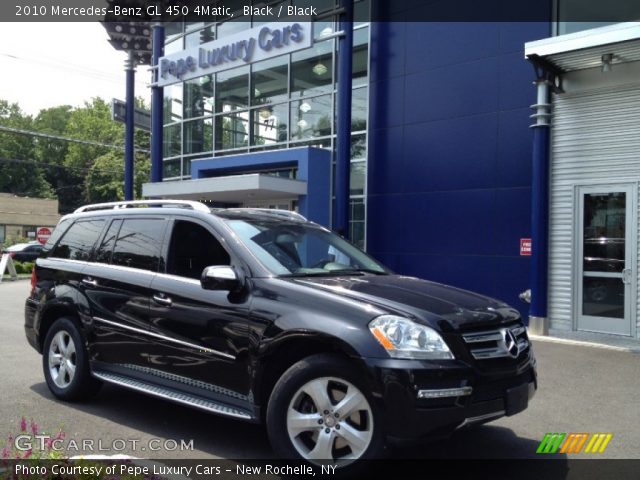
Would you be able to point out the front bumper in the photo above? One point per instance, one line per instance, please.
(434, 398)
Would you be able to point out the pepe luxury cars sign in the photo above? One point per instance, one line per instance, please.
(245, 47)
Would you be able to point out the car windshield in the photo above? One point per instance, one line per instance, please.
(295, 249)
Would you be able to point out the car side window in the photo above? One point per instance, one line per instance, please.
(192, 248)
(103, 254)
(139, 243)
(78, 241)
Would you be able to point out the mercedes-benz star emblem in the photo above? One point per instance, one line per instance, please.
(510, 343)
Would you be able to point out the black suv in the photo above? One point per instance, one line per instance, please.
(267, 317)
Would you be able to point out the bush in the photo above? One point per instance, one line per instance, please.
(23, 267)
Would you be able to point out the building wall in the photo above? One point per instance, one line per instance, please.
(449, 173)
(19, 214)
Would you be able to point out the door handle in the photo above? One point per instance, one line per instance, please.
(162, 300)
(626, 275)
(90, 281)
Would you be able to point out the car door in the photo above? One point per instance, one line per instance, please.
(201, 334)
(118, 286)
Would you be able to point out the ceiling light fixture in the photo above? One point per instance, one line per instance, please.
(319, 69)
(305, 107)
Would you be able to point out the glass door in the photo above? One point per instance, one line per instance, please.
(606, 276)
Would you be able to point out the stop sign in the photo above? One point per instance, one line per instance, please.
(43, 234)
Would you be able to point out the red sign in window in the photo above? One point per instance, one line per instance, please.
(525, 247)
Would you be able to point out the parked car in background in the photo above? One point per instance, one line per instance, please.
(266, 317)
(24, 252)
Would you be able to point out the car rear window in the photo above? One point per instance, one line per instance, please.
(139, 243)
(78, 241)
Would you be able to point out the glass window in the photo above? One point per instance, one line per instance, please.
(232, 131)
(577, 15)
(312, 69)
(311, 117)
(186, 163)
(232, 89)
(192, 249)
(359, 70)
(270, 124)
(171, 140)
(2, 233)
(172, 111)
(358, 146)
(361, 12)
(269, 81)
(323, 28)
(359, 109)
(139, 243)
(358, 178)
(198, 97)
(57, 233)
(103, 254)
(198, 136)
(290, 248)
(171, 168)
(77, 242)
(356, 222)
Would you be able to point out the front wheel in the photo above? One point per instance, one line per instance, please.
(321, 411)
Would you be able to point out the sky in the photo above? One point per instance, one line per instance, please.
(46, 64)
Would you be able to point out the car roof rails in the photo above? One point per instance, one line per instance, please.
(197, 206)
(285, 214)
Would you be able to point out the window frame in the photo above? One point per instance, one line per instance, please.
(163, 247)
(91, 252)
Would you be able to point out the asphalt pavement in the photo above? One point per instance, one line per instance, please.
(582, 389)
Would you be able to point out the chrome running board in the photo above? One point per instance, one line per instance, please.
(172, 395)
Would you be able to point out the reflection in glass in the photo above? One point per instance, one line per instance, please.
(604, 232)
(358, 178)
(172, 111)
(232, 131)
(360, 57)
(312, 69)
(358, 146)
(198, 97)
(198, 136)
(269, 81)
(171, 140)
(171, 168)
(359, 109)
(311, 117)
(356, 222)
(270, 124)
(603, 297)
(232, 89)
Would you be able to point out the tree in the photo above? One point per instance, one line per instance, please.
(105, 182)
(19, 172)
(51, 154)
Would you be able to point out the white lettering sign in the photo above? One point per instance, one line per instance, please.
(253, 45)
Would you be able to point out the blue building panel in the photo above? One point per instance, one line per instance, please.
(450, 152)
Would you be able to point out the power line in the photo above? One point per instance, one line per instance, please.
(44, 164)
(66, 139)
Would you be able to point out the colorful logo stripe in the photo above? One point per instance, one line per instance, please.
(574, 442)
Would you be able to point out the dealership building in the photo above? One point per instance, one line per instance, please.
(494, 156)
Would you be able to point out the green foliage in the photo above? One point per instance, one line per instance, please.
(105, 182)
(23, 267)
(75, 173)
(19, 174)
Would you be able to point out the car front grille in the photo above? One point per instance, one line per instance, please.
(509, 341)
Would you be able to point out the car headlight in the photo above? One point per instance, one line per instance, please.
(403, 338)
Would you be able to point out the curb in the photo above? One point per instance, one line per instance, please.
(582, 343)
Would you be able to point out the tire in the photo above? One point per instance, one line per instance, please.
(66, 364)
(307, 417)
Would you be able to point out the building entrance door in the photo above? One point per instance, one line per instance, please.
(606, 274)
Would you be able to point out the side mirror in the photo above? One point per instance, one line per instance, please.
(219, 278)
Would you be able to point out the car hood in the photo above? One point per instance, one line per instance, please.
(443, 306)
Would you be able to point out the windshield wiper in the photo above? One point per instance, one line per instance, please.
(327, 273)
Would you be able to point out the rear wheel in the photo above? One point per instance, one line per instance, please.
(65, 362)
(320, 411)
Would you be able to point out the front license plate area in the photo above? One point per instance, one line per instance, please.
(517, 399)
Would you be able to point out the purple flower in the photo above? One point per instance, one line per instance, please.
(48, 443)
(59, 435)
(28, 453)
(23, 424)
(34, 427)
(5, 452)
